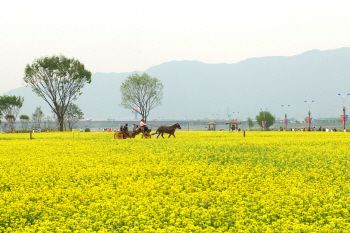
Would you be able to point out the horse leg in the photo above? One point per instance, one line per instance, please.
(162, 135)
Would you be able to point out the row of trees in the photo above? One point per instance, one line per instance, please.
(72, 116)
(59, 81)
(11, 105)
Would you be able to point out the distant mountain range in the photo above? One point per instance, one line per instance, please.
(196, 90)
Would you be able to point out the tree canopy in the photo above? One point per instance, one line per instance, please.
(58, 80)
(141, 93)
(269, 118)
(24, 119)
(11, 104)
(73, 114)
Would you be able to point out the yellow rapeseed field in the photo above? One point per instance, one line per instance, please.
(198, 182)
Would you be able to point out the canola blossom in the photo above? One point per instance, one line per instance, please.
(198, 182)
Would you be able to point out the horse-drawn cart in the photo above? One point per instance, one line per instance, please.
(147, 134)
(131, 134)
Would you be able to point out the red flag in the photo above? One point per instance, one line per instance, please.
(342, 119)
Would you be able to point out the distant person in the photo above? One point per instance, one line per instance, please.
(134, 127)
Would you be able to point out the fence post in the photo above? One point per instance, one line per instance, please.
(31, 136)
(243, 133)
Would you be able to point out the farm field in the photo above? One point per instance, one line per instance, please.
(198, 182)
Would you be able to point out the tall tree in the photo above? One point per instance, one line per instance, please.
(58, 80)
(10, 105)
(37, 116)
(141, 93)
(265, 116)
(24, 119)
(250, 123)
(73, 114)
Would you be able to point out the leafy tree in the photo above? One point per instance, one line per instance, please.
(10, 105)
(250, 122)
(141, 93)
(37, 116)
(269, 118)
(11, 120)
(58, 80)
(24, 119)
(73, 114)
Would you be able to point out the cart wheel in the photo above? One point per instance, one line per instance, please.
(119, 135)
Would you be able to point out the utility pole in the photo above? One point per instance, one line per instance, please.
(309, 105)
(285, 115)
(343, 97)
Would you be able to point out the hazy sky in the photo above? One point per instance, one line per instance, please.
(124, 36)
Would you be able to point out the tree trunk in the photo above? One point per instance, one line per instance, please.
(61, 125)
(61, 122)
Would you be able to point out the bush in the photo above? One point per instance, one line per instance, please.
(87, 129)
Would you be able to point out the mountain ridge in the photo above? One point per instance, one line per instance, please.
(194, 89)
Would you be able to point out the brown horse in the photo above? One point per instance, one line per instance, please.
(168, 129)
